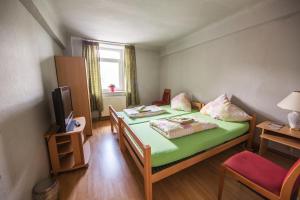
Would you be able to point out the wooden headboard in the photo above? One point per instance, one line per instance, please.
(197, 105)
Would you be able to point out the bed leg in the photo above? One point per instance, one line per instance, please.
(121, 136)
(249, 142)
(110, 119)
(147, 173)
(221, 182)
(111, 125)
(148, 189)
(251, 131)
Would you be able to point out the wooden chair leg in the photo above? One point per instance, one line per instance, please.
(221, 182)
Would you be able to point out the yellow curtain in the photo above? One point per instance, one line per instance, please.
(90, 51)
(131, 76)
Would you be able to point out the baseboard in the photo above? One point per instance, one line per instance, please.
(104, 118)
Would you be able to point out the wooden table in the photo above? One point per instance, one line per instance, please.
(284, 136)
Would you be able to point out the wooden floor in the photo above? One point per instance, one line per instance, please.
(114, 176)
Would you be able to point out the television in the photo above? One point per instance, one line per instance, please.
(63, 109)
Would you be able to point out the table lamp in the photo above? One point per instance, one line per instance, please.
(292, 102)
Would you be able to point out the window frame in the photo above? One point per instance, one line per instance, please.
(120, 61)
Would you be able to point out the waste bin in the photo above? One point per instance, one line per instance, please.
(46, 189)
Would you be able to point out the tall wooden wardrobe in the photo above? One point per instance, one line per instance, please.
(71, 71)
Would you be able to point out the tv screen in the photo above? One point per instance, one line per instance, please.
(67, 103)
(63, 108)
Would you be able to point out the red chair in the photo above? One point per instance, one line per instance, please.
(166, 99)
(263, 176)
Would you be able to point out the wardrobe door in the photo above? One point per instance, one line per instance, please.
(71, 71)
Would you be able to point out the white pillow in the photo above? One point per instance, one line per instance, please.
(212, 108)
(232, 113)
(221, 108)
(181, 102)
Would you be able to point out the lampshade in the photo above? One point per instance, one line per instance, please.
(291, 102)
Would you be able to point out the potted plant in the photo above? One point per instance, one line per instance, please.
(112, 87)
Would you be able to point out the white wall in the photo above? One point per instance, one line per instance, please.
(76, 46)
(259, 14)
(45, 15)
(259, 65)
(147, 62)
(27, 75)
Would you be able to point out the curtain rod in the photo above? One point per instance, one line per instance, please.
(103, 41)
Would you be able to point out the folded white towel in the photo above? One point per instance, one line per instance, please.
(144, 111)
(171, 129)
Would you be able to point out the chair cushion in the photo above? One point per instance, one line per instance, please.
(258, 170)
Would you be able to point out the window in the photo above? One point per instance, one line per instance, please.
(111, 66)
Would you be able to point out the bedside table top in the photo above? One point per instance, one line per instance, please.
(285, 130)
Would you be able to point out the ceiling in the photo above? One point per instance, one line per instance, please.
(152, 23)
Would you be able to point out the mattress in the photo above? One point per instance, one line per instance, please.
(170, 113)
(165, 151)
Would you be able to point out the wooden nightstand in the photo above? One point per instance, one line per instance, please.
(283, 136)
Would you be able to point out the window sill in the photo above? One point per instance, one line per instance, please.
(116, 93)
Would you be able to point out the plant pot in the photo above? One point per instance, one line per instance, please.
(112, 89)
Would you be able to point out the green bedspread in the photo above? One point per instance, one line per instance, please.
(164, 151)
(170, 113)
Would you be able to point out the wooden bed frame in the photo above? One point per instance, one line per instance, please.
(114, 119)
(142, 156)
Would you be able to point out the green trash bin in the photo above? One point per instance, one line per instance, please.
(46, 189)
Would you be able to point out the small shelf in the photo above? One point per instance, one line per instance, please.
(68, 151)
(292, 142)
(63, 140)
(67, 162)
(64, 149)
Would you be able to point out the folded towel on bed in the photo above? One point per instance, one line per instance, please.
(144, 111)
(170, 128)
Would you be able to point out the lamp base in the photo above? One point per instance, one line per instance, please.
(294, 120)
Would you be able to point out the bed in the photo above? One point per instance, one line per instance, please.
(157, 157)
(114, 115)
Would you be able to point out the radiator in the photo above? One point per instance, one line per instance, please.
(118, 101)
